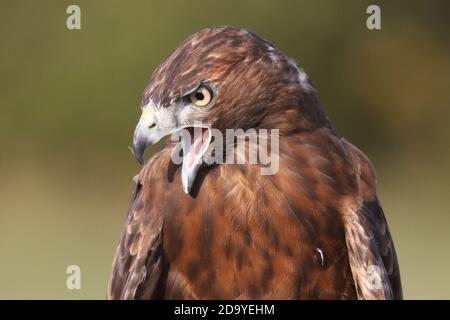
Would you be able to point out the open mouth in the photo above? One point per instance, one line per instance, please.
(195, 142)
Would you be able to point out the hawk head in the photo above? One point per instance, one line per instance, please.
(223, 78)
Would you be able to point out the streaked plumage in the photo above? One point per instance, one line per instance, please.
(311, 231)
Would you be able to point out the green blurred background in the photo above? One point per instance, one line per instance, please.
(69, 101)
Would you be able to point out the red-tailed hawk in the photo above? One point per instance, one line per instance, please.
(313, 230)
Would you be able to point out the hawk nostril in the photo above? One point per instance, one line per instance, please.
(152, 126)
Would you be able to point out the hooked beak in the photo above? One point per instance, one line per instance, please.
(145, 134)
(195, 141)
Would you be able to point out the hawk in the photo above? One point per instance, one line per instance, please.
(313, 230)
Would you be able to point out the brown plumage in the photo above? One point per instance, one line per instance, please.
(313, 230)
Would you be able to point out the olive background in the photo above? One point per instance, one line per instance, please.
(69, 101)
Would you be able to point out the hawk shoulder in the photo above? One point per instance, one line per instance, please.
(371, 251)
(138, 264)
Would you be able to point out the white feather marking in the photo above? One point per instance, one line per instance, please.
(273, 55)
(303, 78)
(321, 256)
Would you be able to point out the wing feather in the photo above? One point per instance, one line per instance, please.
(372, 255)
(138, 263)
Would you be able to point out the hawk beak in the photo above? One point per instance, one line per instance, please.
(145, 134)
(195, 141)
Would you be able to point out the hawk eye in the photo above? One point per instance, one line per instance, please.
(201, 97)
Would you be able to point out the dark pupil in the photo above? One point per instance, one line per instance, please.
(199, 96)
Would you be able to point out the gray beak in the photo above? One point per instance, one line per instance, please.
(145, 134)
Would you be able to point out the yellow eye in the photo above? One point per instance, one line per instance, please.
(201, 97)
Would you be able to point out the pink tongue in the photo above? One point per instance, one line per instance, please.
(197, 147)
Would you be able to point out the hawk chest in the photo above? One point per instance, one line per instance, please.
(247, 236)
